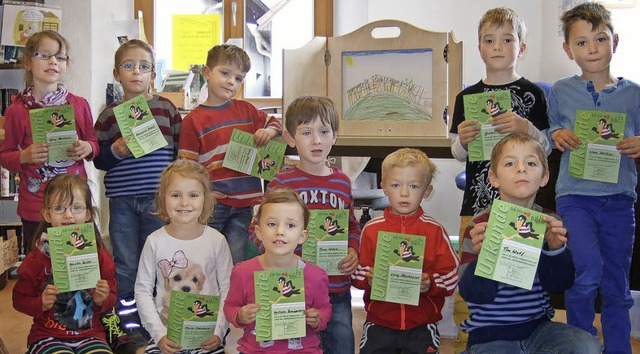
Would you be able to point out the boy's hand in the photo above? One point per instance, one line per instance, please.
(49, 295)
(167, 346)
(556, 234)
(467, 132)
(349, 263)
(630, 147)
(565, 139)
(510, 122)
(35, 153)
(477, 235)
(211, 344)
(312, 317)
(101, 292)
(262, 136)
(425, 283)
(247, 314)
(80, 150)
(120, 147)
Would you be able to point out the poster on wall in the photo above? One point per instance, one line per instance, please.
(19, 22)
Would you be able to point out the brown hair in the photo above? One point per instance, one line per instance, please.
(281, 196)
(134, 43)
(409, 157)
(59, 191)
(517, 138)
(228, 54)
(187, 169)
(592, 12)
(305, 109)
(32, 46)
(500, 16)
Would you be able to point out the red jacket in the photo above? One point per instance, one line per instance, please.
(440, 262)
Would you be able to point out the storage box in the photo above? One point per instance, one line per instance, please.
(8, 251)
(179, 99)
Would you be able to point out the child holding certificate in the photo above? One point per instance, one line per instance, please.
(66, 322)
(312, 127)
(596, 196)
(45, 60)
(505, 319)
(186, 255)
(395, 326)
(282, 226)
(131, 218)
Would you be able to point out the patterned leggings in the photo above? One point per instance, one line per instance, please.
(56, 346)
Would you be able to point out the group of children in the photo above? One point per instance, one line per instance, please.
(167, 235)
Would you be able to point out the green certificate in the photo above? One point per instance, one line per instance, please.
(192, 318)
(74, 257)
(482, 107)
(398, 268)
(511, 250)
(244, 156)
(55, 126)
(280, 294)
(136, 122)
(597, 158)
(328, 239)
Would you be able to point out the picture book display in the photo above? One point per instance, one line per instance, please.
(244, 156)
(55, 126)
(280, 293)
(192, 318)
(137, 124)
(398, 268)
(482, 107)
(74, 257)
(511, 250)
(327, 243)
(597, 158)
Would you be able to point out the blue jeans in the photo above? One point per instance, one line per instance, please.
(131, 222)
(601, 232)
(338, 337)
(233, 223)
(549, 337)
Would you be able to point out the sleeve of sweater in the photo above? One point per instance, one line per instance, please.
(321, 300)
(556, 270)
(84, 121)
(444, 276)
(354, 226)
(15, 129)
(108, 273)
(366, 258)
(224, 264)
(107, 131)
(476, 289)
(189, 144)
(144, 290)
(27, 293)
(236, 295)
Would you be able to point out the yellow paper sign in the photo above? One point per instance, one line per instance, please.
(193, 36)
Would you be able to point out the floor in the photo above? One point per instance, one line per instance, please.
(14, 326)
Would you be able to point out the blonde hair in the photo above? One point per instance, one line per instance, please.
(31, 47)
(228, 54)
(517, 138)
(500, 16)
(187, 169)
(592, 12)
(409, 157)
(131, 44)
(305, 109)
(281, 196)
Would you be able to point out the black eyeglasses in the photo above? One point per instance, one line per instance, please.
(74, 209)
(129, 65)
(47, 56)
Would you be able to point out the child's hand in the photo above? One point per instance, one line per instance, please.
(312, 317)
(477, 235)
(80, 150)
(120, 147)
(349, 263)
(262, 136)
(247, 313)
(510, 122)
(565, 139)
(211, 344)
(467, 132)
(35, 153)
(556, 234)
(167, 346)
(101, 292)
(630, 147)
(425, 283)
(49, 295)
